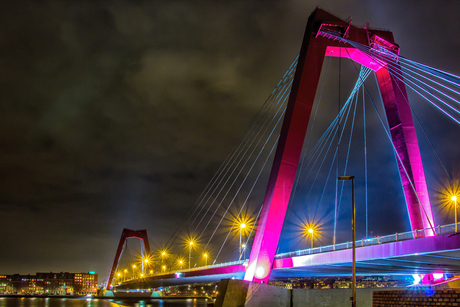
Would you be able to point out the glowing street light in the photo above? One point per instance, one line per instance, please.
(205, 255)
(353, 283)
(124, 274)
(163, 255)
(144, 267)
(164, 268)
(190, 244)
(310, 231)
(181, 263)
(454, 198)
(134, 267)
(242, 226)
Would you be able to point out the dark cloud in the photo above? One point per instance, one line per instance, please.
(117, 114)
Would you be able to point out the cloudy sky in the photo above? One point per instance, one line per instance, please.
(116, 114)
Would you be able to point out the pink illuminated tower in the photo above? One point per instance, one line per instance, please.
(327, 35)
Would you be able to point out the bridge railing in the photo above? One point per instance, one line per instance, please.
(218, 265)
(408, 235)
(238, 262)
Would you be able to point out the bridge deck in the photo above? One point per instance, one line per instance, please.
(437, 254)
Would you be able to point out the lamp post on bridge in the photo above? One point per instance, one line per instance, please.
(145, 268)
(205, 255)
(310, 231)
(242, 226)
(189, 253)
(454, 198)
(163, 254)
(353, 282)
(134, 267)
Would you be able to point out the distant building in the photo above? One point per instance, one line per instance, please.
(63, 283)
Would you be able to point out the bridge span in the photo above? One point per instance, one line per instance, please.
(396, 254)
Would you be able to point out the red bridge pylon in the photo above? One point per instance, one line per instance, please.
(127, 234)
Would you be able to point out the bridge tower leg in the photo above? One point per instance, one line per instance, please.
(127, 234)
(315, 46)
(407, 151)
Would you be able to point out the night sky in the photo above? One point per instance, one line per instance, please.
(116, 114)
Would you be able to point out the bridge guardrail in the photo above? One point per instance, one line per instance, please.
(408, 235)
(238, 262)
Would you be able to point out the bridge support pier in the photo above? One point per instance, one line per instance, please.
(239, 293)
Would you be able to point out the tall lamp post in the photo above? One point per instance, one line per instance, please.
(189, 253)
(242, 226)
(145, 268)
(353, 283)
(205, 259)
(454, 198)
(133, 270)
(310, 231)
(162, 259)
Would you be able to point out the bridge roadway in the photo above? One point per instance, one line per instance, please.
(397, 254)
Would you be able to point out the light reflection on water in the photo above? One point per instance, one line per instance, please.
(96, 302)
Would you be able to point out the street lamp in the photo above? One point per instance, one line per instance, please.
(163, 254)
(146, 261)
(310, 231)
(134, 266)
(243, 246)
(206, 259)
(124, 274)
(190, 244)
(353, 283)
(242, 226)
(454, 198)
(181, 262)
(164, 268)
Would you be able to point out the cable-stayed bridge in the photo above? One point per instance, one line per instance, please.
(309, 142)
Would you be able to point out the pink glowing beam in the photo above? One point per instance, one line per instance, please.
(427, 245)
(355, 55)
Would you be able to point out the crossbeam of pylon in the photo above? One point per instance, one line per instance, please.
(127, 234)
(327, 35)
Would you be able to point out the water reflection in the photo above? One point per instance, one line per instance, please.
(96, 302)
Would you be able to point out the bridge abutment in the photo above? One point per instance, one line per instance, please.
(239, 293)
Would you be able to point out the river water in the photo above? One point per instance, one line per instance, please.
(97, 302)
